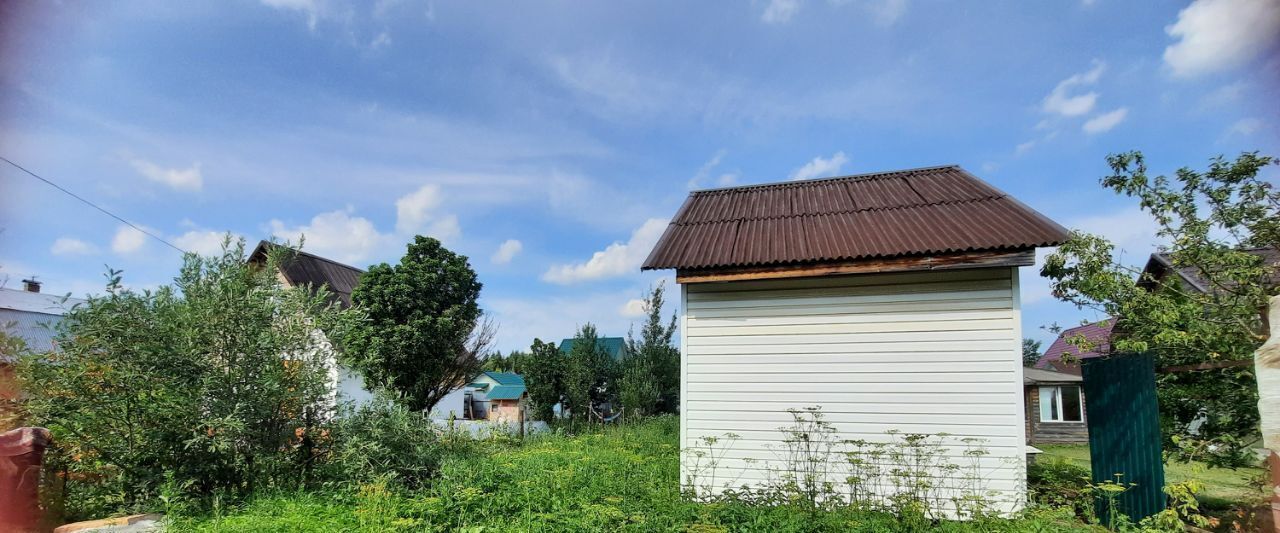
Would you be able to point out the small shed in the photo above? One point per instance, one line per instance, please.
(890, 300)
(1055, 407)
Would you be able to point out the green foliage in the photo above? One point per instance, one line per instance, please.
(1056, 482)
(543, 378)
(1211, 218)
(424, 332)
(589, 374)
(384, 441)
(614, 478)
(517, 362)
(206, 387)
(1030, 352)
(650, 382)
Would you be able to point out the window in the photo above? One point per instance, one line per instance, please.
(1061, 404)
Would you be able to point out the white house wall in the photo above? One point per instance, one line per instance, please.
(929, 352)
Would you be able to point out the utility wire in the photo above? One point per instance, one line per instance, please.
(93, 205)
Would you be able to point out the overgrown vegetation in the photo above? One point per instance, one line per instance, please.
(611, 478)
(213, 388)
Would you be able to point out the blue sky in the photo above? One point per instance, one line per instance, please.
(550, 142)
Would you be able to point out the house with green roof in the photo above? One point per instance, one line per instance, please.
(496, 396)
(616, 347)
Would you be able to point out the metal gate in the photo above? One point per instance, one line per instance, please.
(1124, 431)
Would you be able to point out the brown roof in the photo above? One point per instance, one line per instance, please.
(906, 212)
(1161, 264)
(304, 269)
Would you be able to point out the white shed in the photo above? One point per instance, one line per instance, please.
(888, 300)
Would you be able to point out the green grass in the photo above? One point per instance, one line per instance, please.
(1224, 487)
(616, 479)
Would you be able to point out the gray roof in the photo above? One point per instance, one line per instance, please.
(1032, 376)
(32, 316)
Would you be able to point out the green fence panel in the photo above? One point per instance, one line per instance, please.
(1124, 431)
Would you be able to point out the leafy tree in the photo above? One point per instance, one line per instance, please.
(588, 373)
(651, 372)
(424, 332)
(215, 385)
(516, 362)
(1030, 352)
(543, 378)
(1212, 219)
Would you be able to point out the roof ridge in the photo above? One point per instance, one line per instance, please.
(300, 251)
(844, 211)
(797, 183)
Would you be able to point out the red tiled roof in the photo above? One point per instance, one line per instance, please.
(1098, 333)
(907, 212)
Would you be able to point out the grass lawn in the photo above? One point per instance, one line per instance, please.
(1223, 487)
(616, 479)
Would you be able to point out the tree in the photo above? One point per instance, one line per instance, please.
(588, 373)
(1212, 220)
(1030, 352)
(424, 334)
(543, 378)
(214, 385)
(651, 372)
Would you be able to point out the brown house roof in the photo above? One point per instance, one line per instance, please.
(888, 214)
(1160, 265)
(305, 269)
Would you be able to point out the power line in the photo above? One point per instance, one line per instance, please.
(91, 204)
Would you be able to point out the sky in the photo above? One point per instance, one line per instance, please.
(550, 142)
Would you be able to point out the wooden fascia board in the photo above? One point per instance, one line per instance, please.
(867, 266)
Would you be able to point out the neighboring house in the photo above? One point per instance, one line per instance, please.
(1064, 356)
(308, 270)
(1055, 407)
(890, 300)
(33, 317)
(616, 347)
(494, 396)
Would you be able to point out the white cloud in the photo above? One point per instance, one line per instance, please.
(416, 214)
(618, 259)
(128, 240)
(883, 12)
(311, 8)
(1106, 121)
(336, 235)
(780, 11)
(189, 179)
(1061, 101)
(706, 168)
(1214, 35)
(819, 167)
(634, 308)
(72, 246)
(507, 251)
(383, 40)
(727, 179)
(1025, 147)
(1245, 127)
(203, 242)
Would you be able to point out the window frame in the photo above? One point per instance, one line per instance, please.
(1057, 403)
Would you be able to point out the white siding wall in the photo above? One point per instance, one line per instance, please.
(929, 352)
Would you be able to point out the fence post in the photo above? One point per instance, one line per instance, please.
(21, 458)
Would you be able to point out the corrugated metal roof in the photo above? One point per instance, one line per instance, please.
(1097, 333)
(907, 212)
(305, 269)
(37, 302)
(33, 317)
(506, 378)
(505, 392)
(615, 347)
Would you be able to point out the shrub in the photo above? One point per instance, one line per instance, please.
(1057, 482)
(208, 388)
(385, 441)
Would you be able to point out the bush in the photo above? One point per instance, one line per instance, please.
(384, 440)
(1057, 482)
(206, 389)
